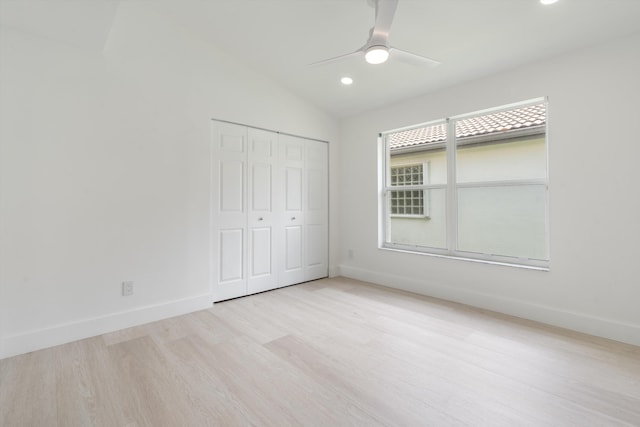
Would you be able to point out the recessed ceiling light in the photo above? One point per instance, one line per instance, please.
(548, 1)
(376, 54)
(346, 81)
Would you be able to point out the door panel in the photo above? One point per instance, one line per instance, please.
(291, 264)
(231, 185)
(229, 213)
(263, 143)
(315, 255)
(263, 160)
(261, 192)
(231, 251)
(232, 142)
(315, 201)
(293, 151)
(293, 189)
(316, 218)
(260, 244)
(293, 254)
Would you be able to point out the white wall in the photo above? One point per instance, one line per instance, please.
(105, 173)
(594, 281)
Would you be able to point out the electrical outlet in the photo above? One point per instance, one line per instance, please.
(127, 288)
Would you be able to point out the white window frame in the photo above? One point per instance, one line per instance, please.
(451, 188)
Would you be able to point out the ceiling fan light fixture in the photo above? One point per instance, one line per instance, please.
(376, 54)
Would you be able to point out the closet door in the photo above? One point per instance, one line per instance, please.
(229, 210)
(262, 237)
(316, 212)
(269, 210)
(291, 249)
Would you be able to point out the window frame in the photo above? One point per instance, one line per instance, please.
(451, 188)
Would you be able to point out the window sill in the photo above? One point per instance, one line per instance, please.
(410, 216)
(460, 258)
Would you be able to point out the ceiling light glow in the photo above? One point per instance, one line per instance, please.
(548, 1)
(376, 54)
(346, 81)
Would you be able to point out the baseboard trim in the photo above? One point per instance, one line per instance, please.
(86, 328)
(334, 271)
(580, 322)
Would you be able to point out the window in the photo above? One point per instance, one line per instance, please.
(408, 203)
(478, 181)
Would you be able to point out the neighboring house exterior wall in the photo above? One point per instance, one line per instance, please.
(480, 210)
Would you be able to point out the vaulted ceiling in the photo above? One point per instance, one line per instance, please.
(280, 38)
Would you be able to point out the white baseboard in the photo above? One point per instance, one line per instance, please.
(606, 328)
(86, 328)
(334, 271)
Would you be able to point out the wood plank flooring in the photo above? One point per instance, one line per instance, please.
(334, 352)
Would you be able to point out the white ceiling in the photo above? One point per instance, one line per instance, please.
(279, 38)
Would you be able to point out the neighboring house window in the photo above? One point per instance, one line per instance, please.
(407, 202)
(481, 181)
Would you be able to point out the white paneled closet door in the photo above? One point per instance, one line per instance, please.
(305, 218)
(229, 210)
(262, 223)
(269, 210)
(292, 172)
(316, 211)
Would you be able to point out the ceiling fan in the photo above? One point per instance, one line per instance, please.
(377, 49)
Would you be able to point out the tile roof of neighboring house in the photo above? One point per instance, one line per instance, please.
(505, 121)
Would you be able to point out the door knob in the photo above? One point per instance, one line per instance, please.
(293, 218)
(260, 219)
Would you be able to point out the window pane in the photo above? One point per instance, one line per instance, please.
(508, 145)
(507, 220)
(417, 147)
(422, 231)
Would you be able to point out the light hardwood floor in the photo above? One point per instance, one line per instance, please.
(333, 352)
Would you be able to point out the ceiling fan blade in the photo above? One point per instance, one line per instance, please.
(337, 58)
(385, 11)
(412, 58)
